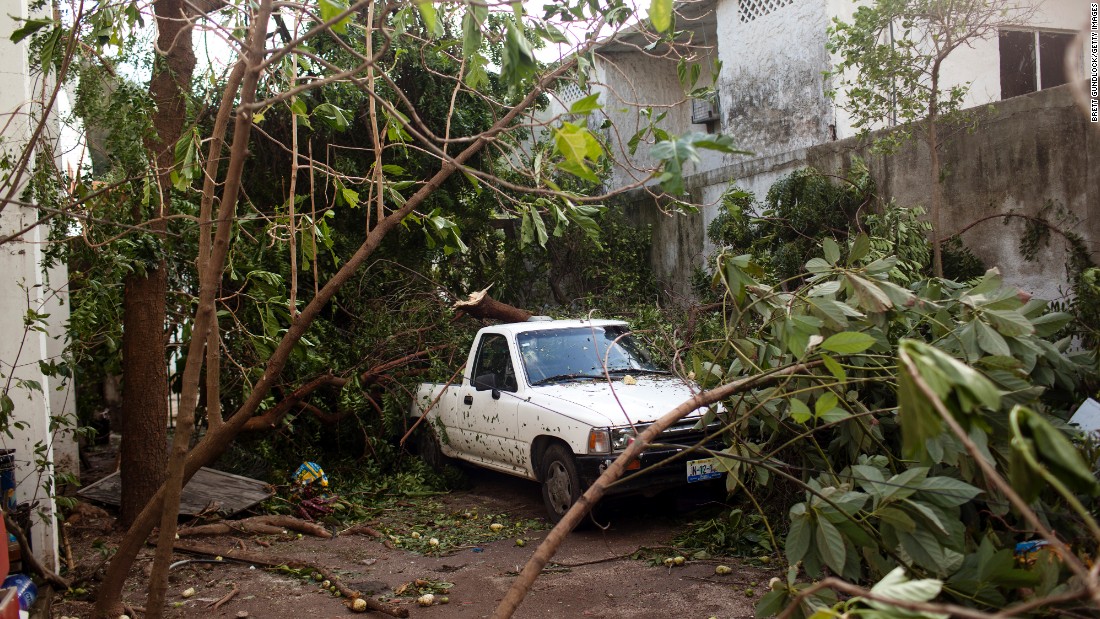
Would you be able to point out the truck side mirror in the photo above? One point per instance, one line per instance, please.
(487, 382)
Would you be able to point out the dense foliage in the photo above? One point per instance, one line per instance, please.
(871, 475)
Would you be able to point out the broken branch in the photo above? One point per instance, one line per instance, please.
(480, 305)
(262, 525)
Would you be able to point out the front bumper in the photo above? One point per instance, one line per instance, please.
(662, 467)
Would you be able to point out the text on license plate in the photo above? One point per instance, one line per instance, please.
(701, 470)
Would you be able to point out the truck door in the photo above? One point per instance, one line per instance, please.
(487, 415)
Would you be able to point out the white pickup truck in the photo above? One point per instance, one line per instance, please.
(556, 401)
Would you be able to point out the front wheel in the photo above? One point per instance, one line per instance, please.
(561, 486)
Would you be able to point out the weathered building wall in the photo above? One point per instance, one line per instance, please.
(1033, 150)
(633, 81)
(771, 86)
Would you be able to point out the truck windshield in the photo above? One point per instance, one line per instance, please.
(581, 352)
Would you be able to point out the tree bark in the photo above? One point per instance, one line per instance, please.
(144, 368)
(480, 305)
(144, 418)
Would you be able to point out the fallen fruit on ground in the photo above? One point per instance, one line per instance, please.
(722, 570)
(426, 600)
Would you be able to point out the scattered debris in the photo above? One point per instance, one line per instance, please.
(319, 573)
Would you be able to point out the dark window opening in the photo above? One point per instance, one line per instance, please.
(1032, 61)
(1017, 63)
(1053, 47)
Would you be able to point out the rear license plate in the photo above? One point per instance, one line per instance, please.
(702, 470)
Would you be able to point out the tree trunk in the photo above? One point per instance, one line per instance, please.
(937, 199)
(144, 368)
(933, 140)
(481, 305)
(144, 392)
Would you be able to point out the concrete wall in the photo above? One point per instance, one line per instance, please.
(1032, 150)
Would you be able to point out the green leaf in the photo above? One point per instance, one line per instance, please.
(518, 61)
(330, 9)
(830, 545)
(472, 23)
(947, 492)
(350, 196)
(431, 18)
(586, 105)
(660, 14)
(1047, 446)
(1010, 323)
(825, 403)
(1049, 324)
(831, 250)
(799, 411)
(30, 27)
(860, 246)
(868, 295)
(896, 518)
(848, 342)
(834, 368)
(896, 586)
(799, 534)
(903, 484)
(991, 341)
(334, 117)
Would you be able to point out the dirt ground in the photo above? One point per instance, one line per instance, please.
(592, 575)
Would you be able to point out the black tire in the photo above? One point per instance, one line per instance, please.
(561, 486)
(427, 445)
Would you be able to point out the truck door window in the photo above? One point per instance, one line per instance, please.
(493, 358)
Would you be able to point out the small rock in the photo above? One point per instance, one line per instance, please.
(242, 614)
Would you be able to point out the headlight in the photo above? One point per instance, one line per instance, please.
(599, 441)
(621, 438)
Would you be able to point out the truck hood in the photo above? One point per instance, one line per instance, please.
(643, 402)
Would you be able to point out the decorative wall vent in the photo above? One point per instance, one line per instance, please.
(705, 110)
(570, 92)
(751, 9)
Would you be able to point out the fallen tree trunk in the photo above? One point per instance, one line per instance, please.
(262, 525)
(483, 307)
(269, 561)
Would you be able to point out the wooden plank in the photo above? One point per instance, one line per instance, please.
(231, 493)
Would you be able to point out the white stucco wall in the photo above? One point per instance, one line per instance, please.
(23, 286)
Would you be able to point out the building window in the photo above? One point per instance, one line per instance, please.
(751, 9)
(1032, 60)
